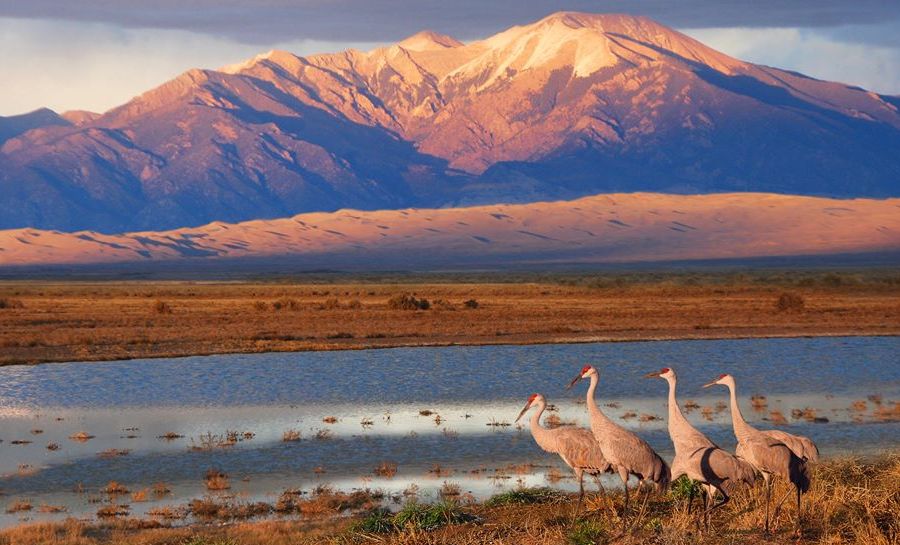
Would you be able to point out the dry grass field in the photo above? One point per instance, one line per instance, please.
(45, 321)
(850, 502)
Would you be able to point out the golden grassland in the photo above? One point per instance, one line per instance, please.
(45, 321)
(850, 502)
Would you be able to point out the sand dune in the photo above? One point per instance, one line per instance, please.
(599, 229)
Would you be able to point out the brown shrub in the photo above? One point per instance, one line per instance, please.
(286, 303)
(161, 307)
(139, 495)
(167, 512)
(160, 489)
(113, 488)
(113, 510)
(408, 302)
(759, 402)
(18, 506)
(216, 480)
(385, 469)
(790, 302)
(777, 418)
(290, 435)
(11, 303)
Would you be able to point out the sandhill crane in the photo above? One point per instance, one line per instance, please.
(576, 446)
(768, 455)
(698, 457)
(628, 453)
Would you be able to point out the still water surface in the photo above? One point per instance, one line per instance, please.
(378, 397)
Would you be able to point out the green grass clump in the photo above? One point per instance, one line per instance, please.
(540, 494)
(428, 517)
(413, 515)
(587, 532)
(683, 488)
(378, 521)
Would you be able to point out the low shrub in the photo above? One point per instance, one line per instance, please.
(789, 301)
(11, 303)
(408, 302)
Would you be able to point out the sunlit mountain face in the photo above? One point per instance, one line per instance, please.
(571, 105)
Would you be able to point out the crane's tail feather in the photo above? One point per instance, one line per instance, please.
(800, 473)
(663, 474)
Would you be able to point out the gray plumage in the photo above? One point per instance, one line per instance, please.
(769, 455)
(576, 446)
(699, 458)
(628, 453)
(802, 446)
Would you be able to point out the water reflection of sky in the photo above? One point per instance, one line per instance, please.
(128, 405)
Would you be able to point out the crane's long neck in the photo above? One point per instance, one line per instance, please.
(541, 434)
(597, 416)
(676, 418)
(684, 435)
(741, 428)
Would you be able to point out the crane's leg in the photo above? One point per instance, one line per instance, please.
(625, 507)
(709, 499)
(799, 512)
(725, 499)
(781, 501)
(580, 474)
(599, 483)
(768, 493)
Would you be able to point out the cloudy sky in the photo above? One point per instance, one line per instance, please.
(95, 54)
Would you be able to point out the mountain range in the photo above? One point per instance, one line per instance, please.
(572, 105)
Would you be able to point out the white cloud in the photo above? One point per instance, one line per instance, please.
(810, 52)
(90, 66)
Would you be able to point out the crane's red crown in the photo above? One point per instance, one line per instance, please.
(532, 397)
(723, 375)
(664, 370)
(585, 369)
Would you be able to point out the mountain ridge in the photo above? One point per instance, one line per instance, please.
(571, 105)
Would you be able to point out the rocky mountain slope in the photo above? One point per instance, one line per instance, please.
(572, 105)
(611, 228)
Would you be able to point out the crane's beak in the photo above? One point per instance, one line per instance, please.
(652, 375)
(574, 381)
(521, 414)
(713, 383)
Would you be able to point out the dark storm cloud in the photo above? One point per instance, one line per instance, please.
(265, 21)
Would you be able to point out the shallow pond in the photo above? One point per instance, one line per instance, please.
(419, 408)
